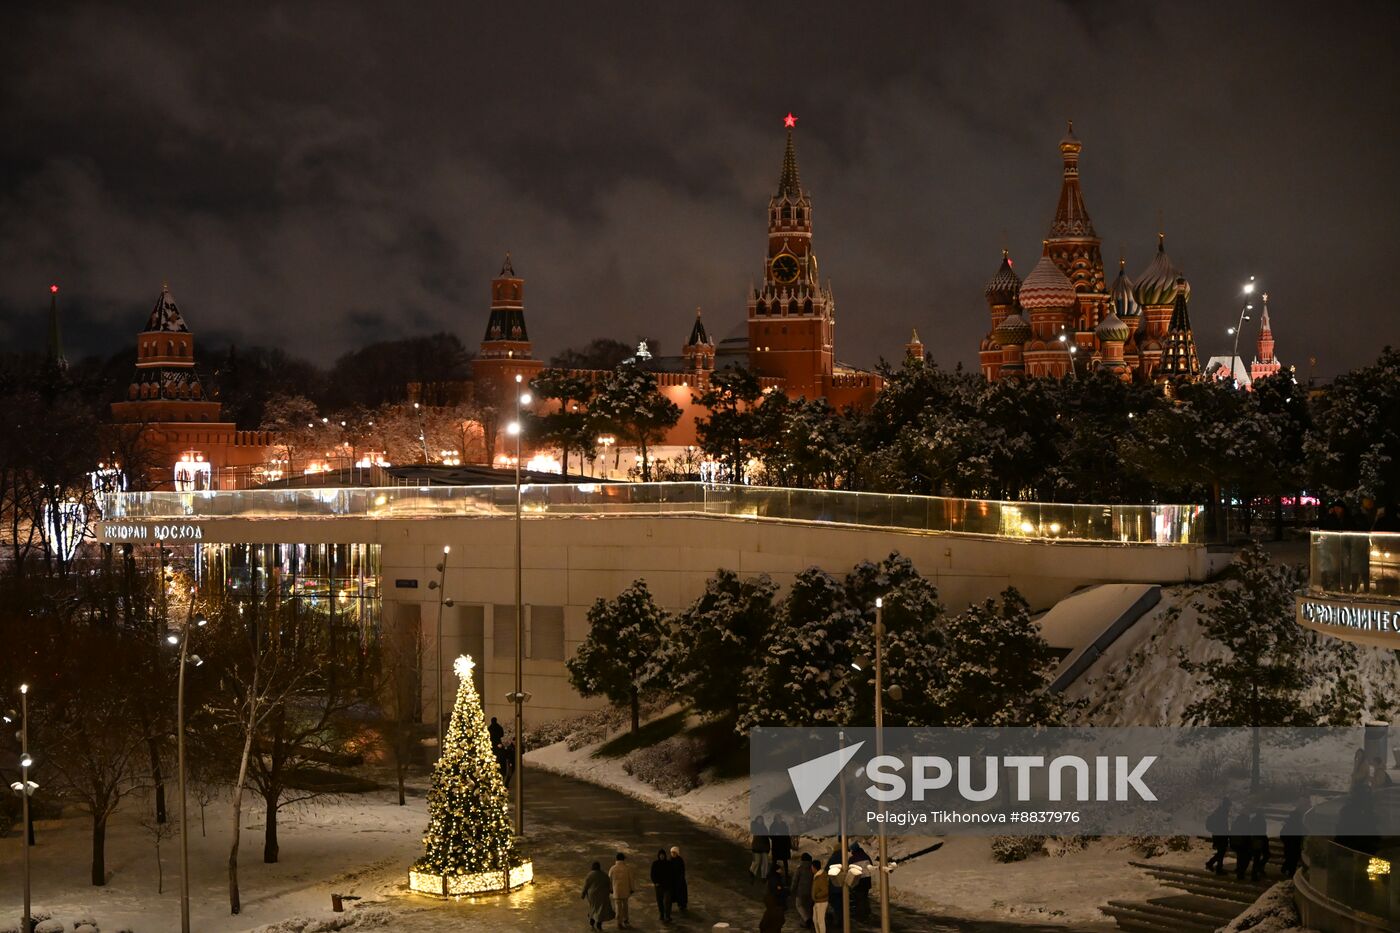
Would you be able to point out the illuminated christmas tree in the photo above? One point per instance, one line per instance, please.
(470, 846)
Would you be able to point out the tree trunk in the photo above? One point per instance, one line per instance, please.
(99, 851)
(153, 746)
(237, 808)
(270, 829)
(636, 711)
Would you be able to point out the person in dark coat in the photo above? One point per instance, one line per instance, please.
(802, 890)
(680, 890)
(760, 845)
(778, 885)
(782, 842)
(1291, 835)
(496, 731)
(1259, 828)
(1242, 842)
(1218, 825)
(597, 891)
(661, 881)
(860, 891)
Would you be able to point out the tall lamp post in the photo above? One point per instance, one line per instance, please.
(1239, 325)
(880, 750)
(25, 788)
(422, 432)
(518, 697)
(182, 638)
(440, 584)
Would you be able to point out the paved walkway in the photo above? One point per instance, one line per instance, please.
(572, 823)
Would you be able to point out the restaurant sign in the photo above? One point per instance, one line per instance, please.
(138, 532)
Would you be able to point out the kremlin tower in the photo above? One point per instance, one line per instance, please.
(1264, 364)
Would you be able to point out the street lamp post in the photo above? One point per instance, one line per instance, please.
(24, 787)
(1239, 325)
(184, 640)
(880, 750)
(845, 853)
(518, 696)
(440, 584)
(422, 432)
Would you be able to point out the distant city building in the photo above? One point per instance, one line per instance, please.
(185, 442)
(1066, 318)
(1265, 363)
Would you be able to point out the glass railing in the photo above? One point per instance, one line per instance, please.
(1359, 882)
(1124, 524)
(1358, 564)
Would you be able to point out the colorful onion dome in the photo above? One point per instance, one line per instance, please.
(1112, 328)
(1121, 297)
(1012, 331)
(1159, 281)
(1047, 287)
(1005, 285)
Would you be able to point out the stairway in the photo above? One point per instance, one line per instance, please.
(1210, 902)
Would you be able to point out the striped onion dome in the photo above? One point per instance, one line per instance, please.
(1012, 331)
(1159, 282)
(1005, 285)
(1121, 298)
(1112, 328)
(1047, 287)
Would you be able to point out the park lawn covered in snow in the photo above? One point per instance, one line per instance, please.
(360, 844)
(961, 879)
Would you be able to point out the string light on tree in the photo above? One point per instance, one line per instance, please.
(470, 846)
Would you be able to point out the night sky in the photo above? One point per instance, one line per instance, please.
(317, 176)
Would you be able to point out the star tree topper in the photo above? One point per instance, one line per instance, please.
(463, 666)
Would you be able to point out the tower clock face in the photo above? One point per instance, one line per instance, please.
(785, 268)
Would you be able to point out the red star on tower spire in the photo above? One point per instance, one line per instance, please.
(789, 121)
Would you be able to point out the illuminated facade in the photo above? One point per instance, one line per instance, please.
(1066, 316)
(178, 419)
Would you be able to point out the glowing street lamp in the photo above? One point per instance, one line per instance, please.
(25, 788)
(518, 695)
(1235, 331)
(440, 584)
(182, 638)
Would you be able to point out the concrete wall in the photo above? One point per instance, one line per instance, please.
(571, 561)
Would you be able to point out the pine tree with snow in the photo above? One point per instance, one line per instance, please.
(997, 668)
(470, 846)
(630, 404)
(620, 657)
(1269, 667)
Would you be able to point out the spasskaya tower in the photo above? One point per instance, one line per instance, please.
(792, 316)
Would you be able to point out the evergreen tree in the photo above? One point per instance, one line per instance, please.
(630, 403)
(619, 658)
(570, 427)
(469, 827)
(727, 433)
(997, 668)
(1269, 666)
(713, 647)
(1354, 450)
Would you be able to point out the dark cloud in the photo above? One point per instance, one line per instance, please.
(314, 176)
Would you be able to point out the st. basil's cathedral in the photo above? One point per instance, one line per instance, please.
(1065, 317)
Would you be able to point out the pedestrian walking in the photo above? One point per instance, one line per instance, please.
(623, 887)
(1242, 842)
(597, 891)
(1291, 835)
(1259, 826)
(802, 890)
(1218, 825)
(496, 731)
(760, 845)
(661, 881)
(821, 894)
(782, 842)
(680, 890)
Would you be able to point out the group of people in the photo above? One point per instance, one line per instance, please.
(608, 893)
(1246, 833)
(811, 886)
(505, 753)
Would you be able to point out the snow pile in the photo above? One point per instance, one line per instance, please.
(1139, 681)
(371, 918)
(1274, 912)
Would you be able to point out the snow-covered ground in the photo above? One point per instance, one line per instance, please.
(352, 845)
(1139, 681)
(961, 879)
